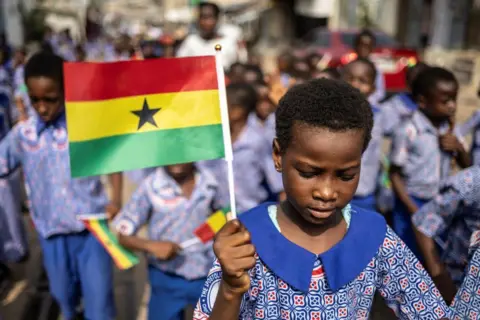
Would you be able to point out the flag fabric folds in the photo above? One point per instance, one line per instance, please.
(123, 258)
(137, 114)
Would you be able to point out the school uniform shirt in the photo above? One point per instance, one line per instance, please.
(451, 218)
(371, 160)
(466, 304)
(473, 124)
(55, 199)
(160, 203)
(415, 148)
(266, 129)
(252, 164)
(395, 111)
(195, 45)
(289, 282)
(13, 244)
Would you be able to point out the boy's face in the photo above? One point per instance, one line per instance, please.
(251, 77)
(236, 113)
(364, 47)
(180, 171)
(46, 97)
(237, 73)
(320, 170)
(207, 21)
(265, 106)
(359, 76)
(441, 103)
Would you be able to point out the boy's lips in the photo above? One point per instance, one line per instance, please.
(321, 213)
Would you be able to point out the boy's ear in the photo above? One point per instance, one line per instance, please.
(422, 102)
(277, 155)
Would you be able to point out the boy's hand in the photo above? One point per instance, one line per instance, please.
(163, 250)
(236, 256)
(112, 209)
(450, 143)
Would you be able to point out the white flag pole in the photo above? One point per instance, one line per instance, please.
(227, 140)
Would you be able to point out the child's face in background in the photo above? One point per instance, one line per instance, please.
(360, 76)
(364, 47)
(236, 114)
(320, 170)
(46, 97)
(441, 103)
(181, 171)
(265, 106)
(237, 73)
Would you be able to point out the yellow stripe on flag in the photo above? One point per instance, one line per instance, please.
(121, 261)
(216, 221)
(98, 119)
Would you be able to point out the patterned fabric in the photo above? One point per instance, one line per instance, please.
(252, 164)
(416, 150)
(395, 111)
(466, 304)
(160, 203)
(55, 198)
(393, 271)
(473, 124)
(451, 218)
(371, 160)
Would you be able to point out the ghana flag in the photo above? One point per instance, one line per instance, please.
(138, 114)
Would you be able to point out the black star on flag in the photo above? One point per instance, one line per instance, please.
(146, 115)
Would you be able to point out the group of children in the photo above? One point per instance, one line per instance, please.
(319, 249)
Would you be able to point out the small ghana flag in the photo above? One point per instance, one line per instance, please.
(214, 223)
(137, 114)
(123, 258)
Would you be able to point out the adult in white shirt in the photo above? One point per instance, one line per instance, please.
(203, 42)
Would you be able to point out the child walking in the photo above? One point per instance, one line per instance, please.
(316, 256)
(173, 201)
(76, 264)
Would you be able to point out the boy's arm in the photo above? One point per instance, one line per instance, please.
(400, 190)
(162, 250)
(116, 183)
(10, 153)
(399, 154)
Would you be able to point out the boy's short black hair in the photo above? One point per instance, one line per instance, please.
(323, 103)
(45, 64)
(427, 80)
(365, 33)
(243, 95)
(414, 71)
(368, 62)
(214, 6)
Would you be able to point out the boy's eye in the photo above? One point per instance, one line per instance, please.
(306, 175)
(346, 177)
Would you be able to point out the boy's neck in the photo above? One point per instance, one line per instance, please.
(435, 122)
(187, 184)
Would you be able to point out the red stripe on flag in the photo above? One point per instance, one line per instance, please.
(204, 233)
(99, 81)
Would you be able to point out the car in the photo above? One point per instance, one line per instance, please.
(336, 49)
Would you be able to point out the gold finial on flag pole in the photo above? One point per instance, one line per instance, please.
(218, 47)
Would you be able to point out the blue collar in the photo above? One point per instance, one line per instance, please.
(375, 109)
(407, 101)
(59, 122)
(294, 265)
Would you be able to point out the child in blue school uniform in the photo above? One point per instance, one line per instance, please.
(423, 148)
(401, 106)
(251, 157)
(78, 267)
(173, 201)
(361, 74)
(467, 300)
(445, 225)
(316, 256)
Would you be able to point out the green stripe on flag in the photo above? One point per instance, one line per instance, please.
(146, 149)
